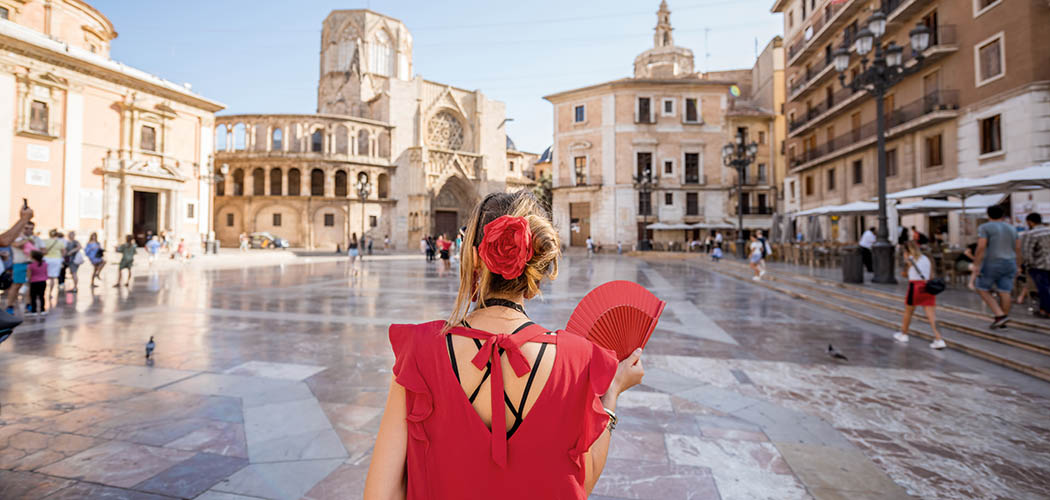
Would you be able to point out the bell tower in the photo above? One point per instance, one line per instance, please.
(662, 37)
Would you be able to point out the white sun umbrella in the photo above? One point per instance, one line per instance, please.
(928, 205)
(855, 208)
(658, 226)
(927, 190)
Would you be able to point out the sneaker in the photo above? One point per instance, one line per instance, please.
(900, 337)
(43, 313)
(761, 273)
(756, 278)
(30, 314)
(1000, 322)
(938, 344)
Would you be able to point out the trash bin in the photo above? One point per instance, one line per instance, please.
(852, 265)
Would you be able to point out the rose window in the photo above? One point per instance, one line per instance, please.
(444, 131)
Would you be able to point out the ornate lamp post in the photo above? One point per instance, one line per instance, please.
(645, 184)
(885, 71)
(364, 188)
(739, 156)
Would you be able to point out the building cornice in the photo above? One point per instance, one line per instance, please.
(305, 116)
(641, 82)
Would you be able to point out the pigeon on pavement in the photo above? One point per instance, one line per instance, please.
(835, 354)
(149, 347)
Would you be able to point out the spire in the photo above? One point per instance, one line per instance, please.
(663, 38)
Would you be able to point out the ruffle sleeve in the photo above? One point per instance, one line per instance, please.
(418, 401)
(600, 372)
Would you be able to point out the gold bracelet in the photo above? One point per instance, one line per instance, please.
(612, 419)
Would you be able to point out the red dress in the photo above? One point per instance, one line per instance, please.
(451, 452)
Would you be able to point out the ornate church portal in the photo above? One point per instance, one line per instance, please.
(452, 205)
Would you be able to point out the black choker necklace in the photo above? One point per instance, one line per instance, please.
(505, 303)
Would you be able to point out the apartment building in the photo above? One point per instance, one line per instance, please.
(978, 105)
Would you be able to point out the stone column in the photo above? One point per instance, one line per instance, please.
(329, 184)
(73, 159)
(266, 182)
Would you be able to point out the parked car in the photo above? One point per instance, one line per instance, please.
(267, 240)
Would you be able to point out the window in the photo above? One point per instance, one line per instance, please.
(991, 135)
(934, 157)
(930, 22)
(340, 183)
(329, 220)
(275, 182)
(148, 138)
(692, 114)
(277, 140)
(668, 199)
(692, 205)
(858, 171)
(580, 114)
(276, 220)
(763, 201)
(668, 167)
(791, 190)
(762, 174)
(38, 117)
(791, 20)
(259, 182)
(645, 203)
(645, 165)
(238, 182)
(382, 54)
(191, 211)
(4, 13)
(229, 220)
(295, 182)
(831, 179)
(220, 186)
(644, 110)
(982, 6)
(316, 141)
(761, 137)
(989, 62)
(809, 185)
(891, 163)
(580, 170)
(373, 221)
(668, 109)
(692, 168)
(317, 182)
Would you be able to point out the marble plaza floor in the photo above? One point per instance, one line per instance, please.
(269, 381)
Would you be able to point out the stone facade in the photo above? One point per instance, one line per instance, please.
(441, 147)
(94, 145)
(934, 116)
(667, 119)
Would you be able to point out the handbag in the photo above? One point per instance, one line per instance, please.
(932, 287)
(78, 258)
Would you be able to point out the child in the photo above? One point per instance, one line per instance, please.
(127, 259)
(37, 276)
(716, 254)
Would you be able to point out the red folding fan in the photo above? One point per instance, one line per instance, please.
(618, 315)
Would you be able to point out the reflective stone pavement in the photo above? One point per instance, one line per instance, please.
(269, 382)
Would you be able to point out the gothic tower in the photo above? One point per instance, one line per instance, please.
(662, 37)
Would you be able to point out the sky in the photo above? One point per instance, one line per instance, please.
(262, 56)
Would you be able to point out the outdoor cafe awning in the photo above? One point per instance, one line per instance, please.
(658, 226)
(1037, 177)
(855, 208)
(928, 205)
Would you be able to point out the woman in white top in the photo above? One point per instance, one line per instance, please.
(755, 261)
(919, 271)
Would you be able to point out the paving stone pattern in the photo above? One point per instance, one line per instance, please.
(269, 382)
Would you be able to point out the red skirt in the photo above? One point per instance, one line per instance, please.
(917, 295)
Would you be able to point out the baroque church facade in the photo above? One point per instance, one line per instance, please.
(425, 151)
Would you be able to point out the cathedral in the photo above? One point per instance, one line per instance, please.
(388, 153)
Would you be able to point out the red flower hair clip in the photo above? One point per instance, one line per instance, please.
(506, 246)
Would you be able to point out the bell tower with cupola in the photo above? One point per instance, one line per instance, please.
(664, 60)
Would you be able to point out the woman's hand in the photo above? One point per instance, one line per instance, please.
(629, 373)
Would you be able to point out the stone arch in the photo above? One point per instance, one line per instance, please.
(295, 182)
(220, 185)
(276, 178)
(383, 53)
(340, 183)
(238, 182)
(451, 205)
(221, 134)
(333, 235)
(276, 139)
(383, 186)
(317, 182)
(446, 129)
(240, 137)
(362, 142)
(317, 141)
(342, 140)
(263, 218)
(225, 232)
(259, 182)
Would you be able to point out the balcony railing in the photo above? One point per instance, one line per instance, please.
(696, 179)
(819, 20)
(755, 211)
(585, 181)
(940, 100)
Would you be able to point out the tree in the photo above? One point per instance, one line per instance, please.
(543, 191)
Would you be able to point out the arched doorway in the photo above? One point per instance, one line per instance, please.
(451, 206)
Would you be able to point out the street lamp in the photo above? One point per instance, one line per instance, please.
(646, 184)
(364, 188)
(885, 71)
(739, 156)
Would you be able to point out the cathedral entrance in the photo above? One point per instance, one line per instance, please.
(452, 205)
(580, 221)
(144, 216)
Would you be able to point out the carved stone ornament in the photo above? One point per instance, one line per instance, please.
(444, 131)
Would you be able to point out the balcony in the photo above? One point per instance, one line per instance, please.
(698, 180)
(755, 211)
(827, 22)
(898, 10)
(942, 42)
(934, 107)
(588, 182)
(811, 76)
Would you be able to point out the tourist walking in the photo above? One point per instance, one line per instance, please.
(54, 247)
(370, 241)
(74, 258)
(718, 239)
(590, 246)
(127, 259)
(867, 240)
(354, 253)
(755, 259)
(244, 241)
(152, 247)
(446, 433)
(1035, 252)
(94, 252)
(38, 278)
(445, 245)
(766, 252)
(997, 250)
(919, 272)
(20, 239)
(386, 243)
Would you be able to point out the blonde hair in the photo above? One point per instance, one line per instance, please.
(476, 282)
(913, 249)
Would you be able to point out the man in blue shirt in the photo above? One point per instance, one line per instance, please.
(997, 251)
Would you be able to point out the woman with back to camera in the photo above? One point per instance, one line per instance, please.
(488, 404)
